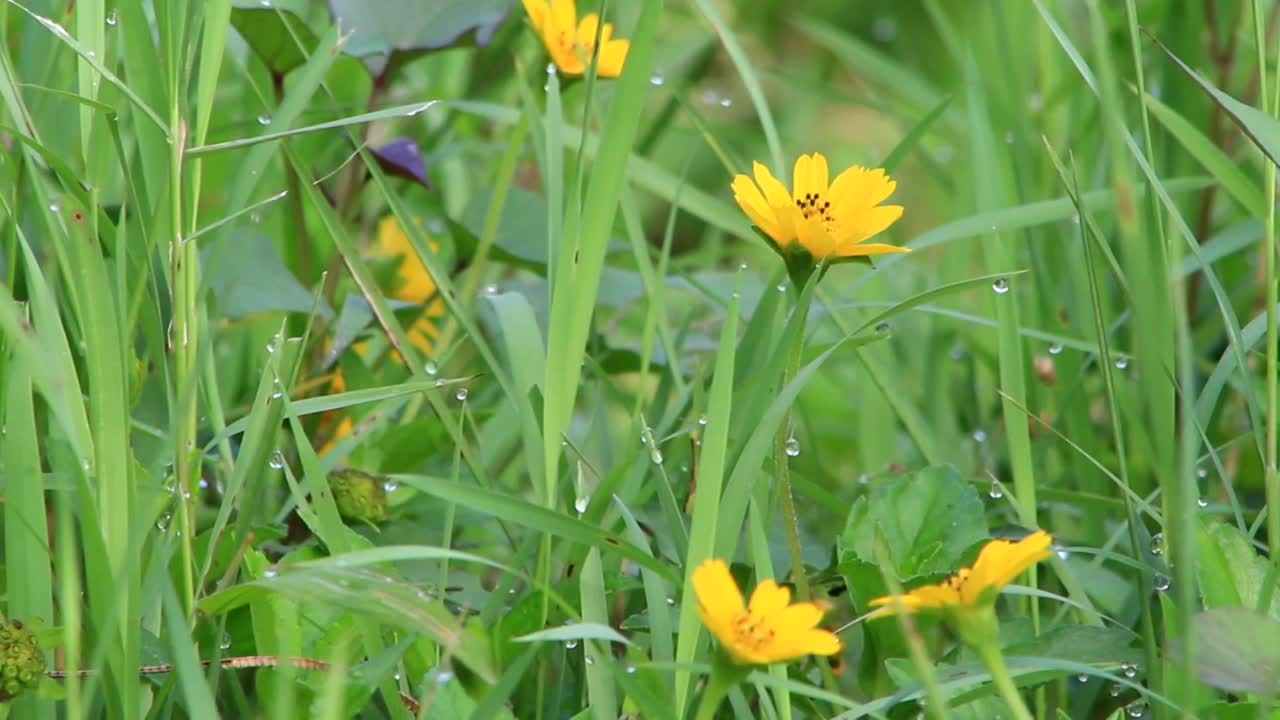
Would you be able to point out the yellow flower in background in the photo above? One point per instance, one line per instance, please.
(413, 284)
(770, 629)
(829, 220)
(572, 43)
(998, 564)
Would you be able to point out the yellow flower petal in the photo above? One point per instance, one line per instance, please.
(587, 32)
(810, 176)
(613, 57)
(538, 10)
(752, 202)
(564, 15)
(769, 598)
(717, 591)
(774, 191)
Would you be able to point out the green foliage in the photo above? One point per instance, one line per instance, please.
(292, 429)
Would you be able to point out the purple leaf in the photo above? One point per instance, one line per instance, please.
(402, 157)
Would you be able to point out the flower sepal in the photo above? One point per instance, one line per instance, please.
(975, 624)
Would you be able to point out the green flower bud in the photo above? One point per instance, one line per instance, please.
(21, 662)
(359, 495)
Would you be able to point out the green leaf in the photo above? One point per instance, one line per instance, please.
(1106, 648)
(275, 31)
(574, 631)
(929, 519)
(253, 279)
(1230, 571)
(1263, 129)
(381, 28)
(1238, 650)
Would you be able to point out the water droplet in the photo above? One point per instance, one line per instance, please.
(726, 102)
(91, 54)
(1136, 709)
(631, 669)
(552, 69)
(793, 447)
(270, 572)
(957, 352)
(440, 382)
(1202, 472)
(1202, 502)
(1160, 582)
(656, 455)
(1122, 363)
(657, 80)
(271, 347)
(644, 436)
(1083, 678)
(113, 18)
(277, 395)
(1055, 349)
(1000, 286)
(277, 460)
(1116, 690)
(884, 29)
(225, 643)
(462, 394)
(581, 504)
(997, 490)
(883, 327)
(390, 486)
(782, 287)
(570, 644)
(671, 601)
(443, 677)
(703, 420)
(1157, 544)
(1129, 669)
(590, 660)
(491, 289)
(55, 206)
(265, 3)
(163, 523)
(979, 436)
(264, 119)
(431, 368)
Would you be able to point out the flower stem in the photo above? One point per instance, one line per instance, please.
(724, 675)
(991, 656)
(790, 519)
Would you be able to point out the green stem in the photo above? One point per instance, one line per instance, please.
(790, 519)
(991, 656)
(724, 676)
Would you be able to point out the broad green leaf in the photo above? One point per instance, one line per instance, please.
(1231, 572)
(276, 31)
(382, 28)
(253, 279)
(1238, 650)
(929, 519)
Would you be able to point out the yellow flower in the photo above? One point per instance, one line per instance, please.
(572, 43)
(768, 630)
(998, 564)
(413, 282)
(828, 220)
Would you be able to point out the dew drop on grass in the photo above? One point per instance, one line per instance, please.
(656, 456)
(462, 394)
(1202, 502)
(726, 102)
(113, 18)
(277, 460)
(702, 420)
(657, 80)
(443, 677)
(883, 327)
(1129, 669)
(997, 490)
(551, 69)
(1202, 472)
(163, 523)
(581, 504)
(979, 436)
(631, 669)
(1000, 286)
(431, 368)
(1055, 349)
(1082, 678)
(1122, 363)
(1160, 582)
(1157, 544)
(590, 660)
(671, 601)
(55, 206)
(793, 447)
(264, 119)
(490, 289)
(225, 643)
(570, 644)
(1136, 709)
(270, 572)
(390, 486)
